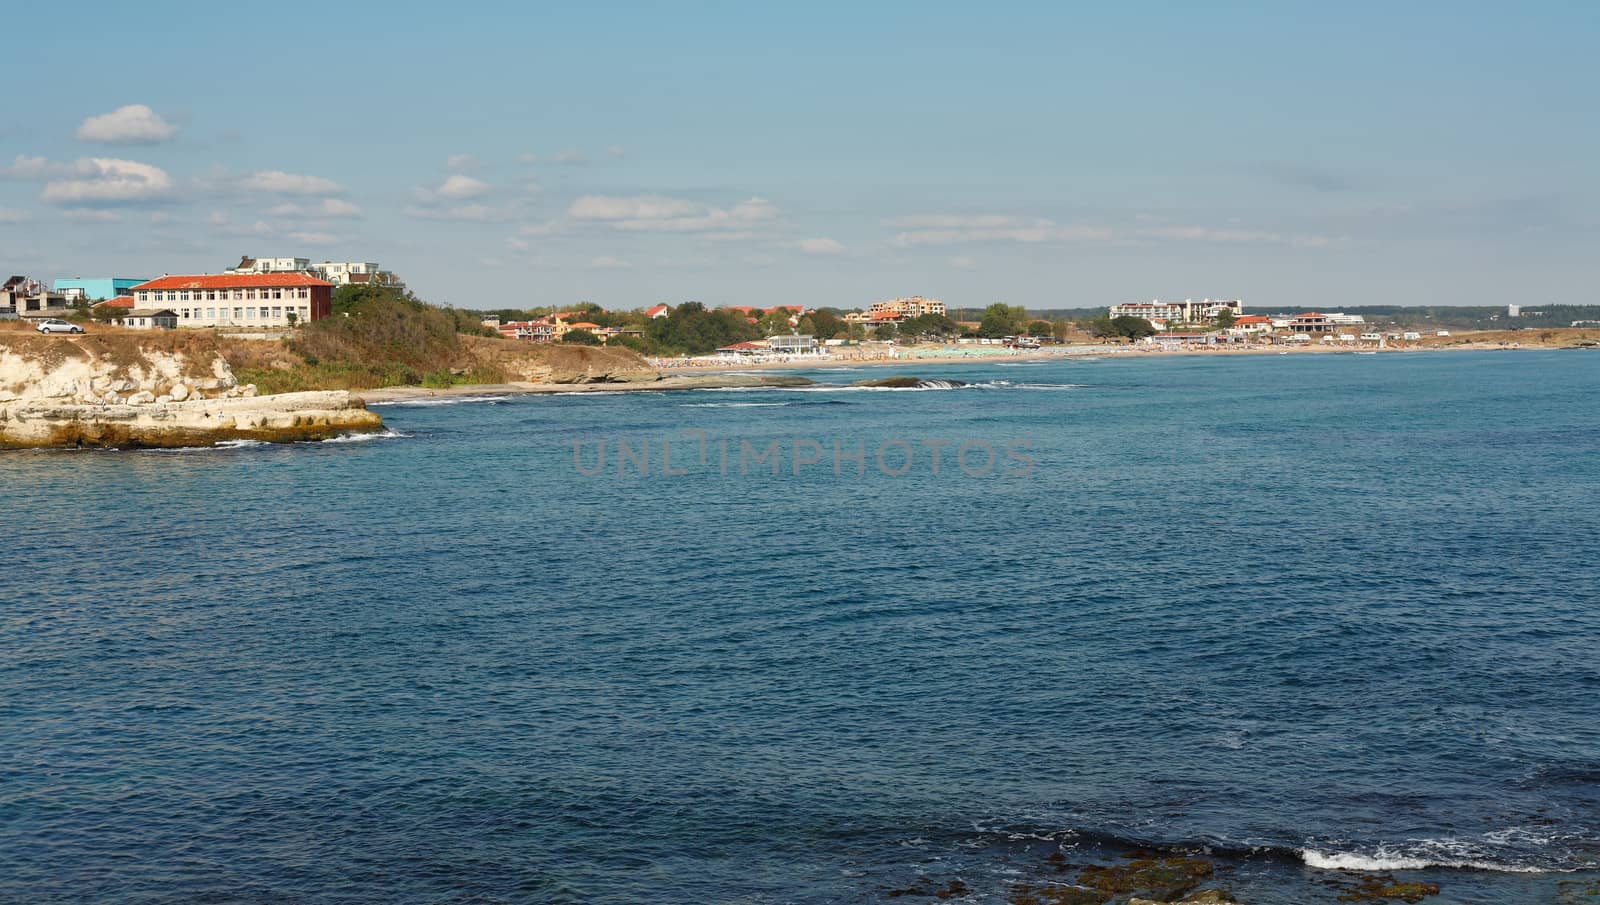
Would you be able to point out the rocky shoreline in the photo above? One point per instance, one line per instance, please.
(198, 422)
(127, 392)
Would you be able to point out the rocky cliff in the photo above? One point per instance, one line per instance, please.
(160, 390)
(559, 363)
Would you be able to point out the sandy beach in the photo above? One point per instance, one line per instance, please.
(680, 374)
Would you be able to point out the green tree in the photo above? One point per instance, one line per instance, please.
(1134, 328)
(932, 325)
(580, 338)
(855, 332)
(1100, 327)
(1039, 328)
(826, 324)
(1225, 319)
(1001, 319)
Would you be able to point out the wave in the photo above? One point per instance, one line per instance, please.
(1382, 861)
(1513, 850)
(438, 400)
(936, 385)
(387, 434)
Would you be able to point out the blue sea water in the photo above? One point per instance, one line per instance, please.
(1311, 616)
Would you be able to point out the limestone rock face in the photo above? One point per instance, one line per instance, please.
(196, 422)
(120, 391)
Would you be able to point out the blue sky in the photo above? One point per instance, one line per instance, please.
(1051, 155)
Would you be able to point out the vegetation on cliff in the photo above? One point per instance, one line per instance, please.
(380, 337)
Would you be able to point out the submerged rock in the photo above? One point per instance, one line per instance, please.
(1164, 879)
(909, 383)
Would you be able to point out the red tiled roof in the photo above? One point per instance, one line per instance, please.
(233, 281)
(1252, 319)
(121, 301)
(745, 345)
(658, 309)
(584, 325)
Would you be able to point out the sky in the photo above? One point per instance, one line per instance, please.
(1053, 155)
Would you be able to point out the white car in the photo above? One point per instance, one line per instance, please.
(57, 325)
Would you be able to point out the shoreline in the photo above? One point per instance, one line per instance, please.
(729, 375)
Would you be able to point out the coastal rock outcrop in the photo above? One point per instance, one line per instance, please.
(115, 390)
(197, 422)
(557, 363)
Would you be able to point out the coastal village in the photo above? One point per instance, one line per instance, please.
(273, 296)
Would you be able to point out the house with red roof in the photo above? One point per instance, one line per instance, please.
(656, 311)
(239, 299)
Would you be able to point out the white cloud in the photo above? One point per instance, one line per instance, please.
(310, 238)
(221, 225)
(459, 162)
(338, 207)
(527, 158)
(475, 213)
(956, 230)
(282, 183)
(616, 152)
(607, 262)
(962, 262)
(129, 125)
(636, 207)
(12, 215)
(458, 187)
(547, 228)
(91, 215)
(516, 244)
(93, 180)
(655, 213)
(820, 246)
(568, 157)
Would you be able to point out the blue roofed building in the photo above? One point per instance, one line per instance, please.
(96, 287)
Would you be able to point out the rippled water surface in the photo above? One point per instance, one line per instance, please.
(1304, 613)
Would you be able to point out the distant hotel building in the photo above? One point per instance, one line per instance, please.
(239, 299)
(1189, 311)
(904, 308)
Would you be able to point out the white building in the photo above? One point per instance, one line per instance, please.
(149, 319)
(239, 300)
(343, 273)
(1189, 311)
(271, 265)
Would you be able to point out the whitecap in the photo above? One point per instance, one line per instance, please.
(388, 434)
(437, 400)
(1384, 859)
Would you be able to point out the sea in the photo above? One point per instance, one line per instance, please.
(1325, 622)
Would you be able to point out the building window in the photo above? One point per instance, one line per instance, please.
(304, 293)
(238, 314)
(211, 295)
(211, 313)
(263, 312)
(277, 293)
(183, 296)
(277, 312)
